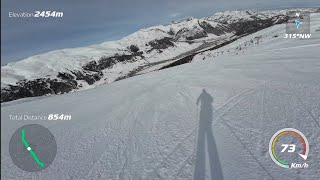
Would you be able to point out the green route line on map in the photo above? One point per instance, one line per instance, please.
(41, 164)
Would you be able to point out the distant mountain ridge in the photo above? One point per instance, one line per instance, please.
(149, 49)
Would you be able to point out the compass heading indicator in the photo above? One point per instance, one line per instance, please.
(289, 148)
(298, 23)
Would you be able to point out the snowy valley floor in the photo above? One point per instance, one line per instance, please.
(150, 127)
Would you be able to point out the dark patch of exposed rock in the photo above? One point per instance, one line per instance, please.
(65, 76)
(89, 77)
(163, 43)
(190, 34)
(197, 35)
(108, 62)
(62, 87)
(171, 32)
(249, 27)
(37, 87)
(133, 48)
(184, 60)
(91, 66)
(218, 30)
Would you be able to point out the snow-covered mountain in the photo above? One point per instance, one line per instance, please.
(146, 50)
(147, 127)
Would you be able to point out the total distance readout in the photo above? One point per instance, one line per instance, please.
(50, 117)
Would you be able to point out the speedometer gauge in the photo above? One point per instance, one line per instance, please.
(289, 148)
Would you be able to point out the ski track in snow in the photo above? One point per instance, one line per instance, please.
(146, 127)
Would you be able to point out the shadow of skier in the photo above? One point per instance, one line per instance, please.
(205, 131)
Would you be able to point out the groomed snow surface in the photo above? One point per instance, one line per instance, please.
(150, 127)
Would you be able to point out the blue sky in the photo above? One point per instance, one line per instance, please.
(88, 22)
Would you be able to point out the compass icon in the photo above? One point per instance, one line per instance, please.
(298, 23)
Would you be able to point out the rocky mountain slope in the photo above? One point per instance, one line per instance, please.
(146, 50)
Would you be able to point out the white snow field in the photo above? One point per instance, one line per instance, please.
(147, 127)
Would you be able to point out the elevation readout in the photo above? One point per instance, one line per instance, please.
(289, 148)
